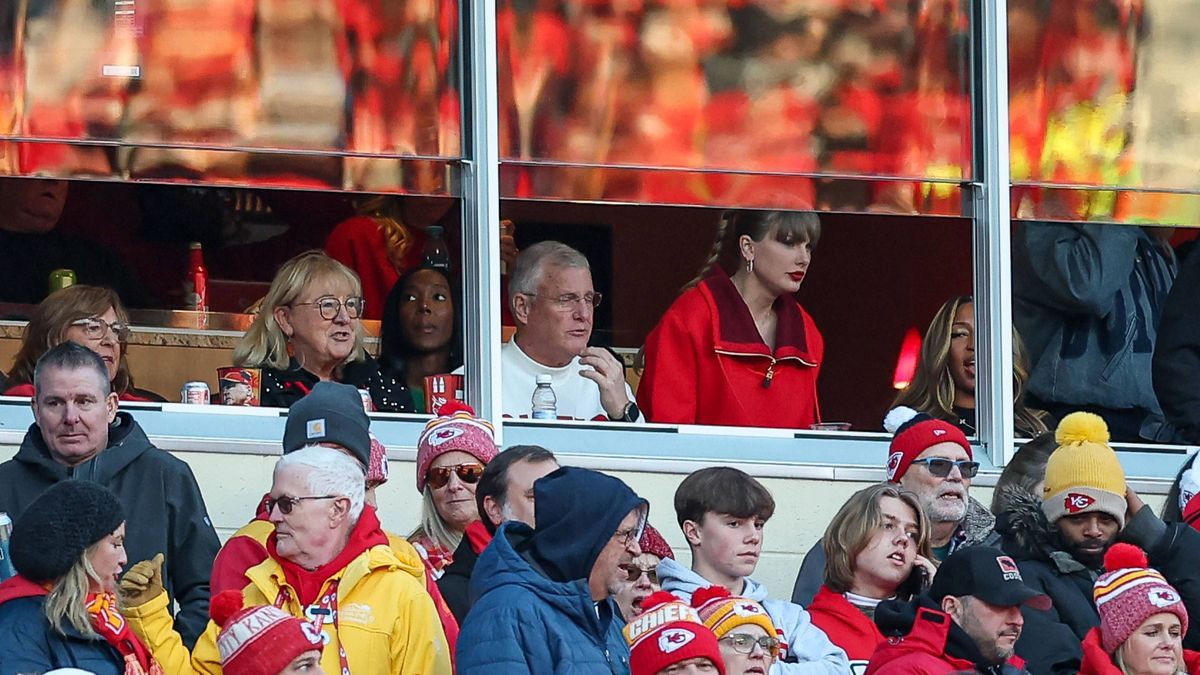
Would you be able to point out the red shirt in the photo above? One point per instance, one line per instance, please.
(707, 364)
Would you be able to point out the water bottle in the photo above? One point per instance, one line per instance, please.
(436, 253)
(6, 567)
(545, 403)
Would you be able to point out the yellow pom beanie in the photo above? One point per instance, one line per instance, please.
(1083, 475)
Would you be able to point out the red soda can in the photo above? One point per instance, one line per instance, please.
(368, 403)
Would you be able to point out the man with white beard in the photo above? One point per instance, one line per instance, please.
(932, 459)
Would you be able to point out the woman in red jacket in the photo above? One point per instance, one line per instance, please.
(877, 548)
(737, 349)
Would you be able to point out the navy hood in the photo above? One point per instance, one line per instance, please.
(577, 512)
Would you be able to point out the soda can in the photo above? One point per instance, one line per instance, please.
(7, 571)
(61, 278)
(368, 403)
(195, 393)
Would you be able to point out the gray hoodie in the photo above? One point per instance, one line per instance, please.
(809, 651)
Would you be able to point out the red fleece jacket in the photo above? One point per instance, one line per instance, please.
(846, 626)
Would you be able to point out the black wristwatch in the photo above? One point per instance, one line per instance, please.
(632, 413)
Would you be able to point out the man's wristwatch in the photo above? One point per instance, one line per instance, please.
(632, 413)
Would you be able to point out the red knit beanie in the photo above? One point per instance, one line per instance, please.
(455, 428)
(259, 640)
(914, 433)
(1129, 593)
(652, 542)
(667, 632)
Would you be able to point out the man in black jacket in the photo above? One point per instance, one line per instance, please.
(505, 492)
(79, 435)
(1059, 543)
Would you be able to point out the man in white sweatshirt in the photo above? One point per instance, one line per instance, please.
(722, 511)
(553, 303)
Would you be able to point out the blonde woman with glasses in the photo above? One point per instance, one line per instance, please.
(309, 330)
(87, 315)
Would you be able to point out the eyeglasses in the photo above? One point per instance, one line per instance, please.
(330, 306)
(567, 301)
(96, 328)
(940, 467)
(633, 573)
(629, 535)
(439, 476)
(744, 644)
(286, 504)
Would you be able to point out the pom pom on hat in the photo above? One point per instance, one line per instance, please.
(453, 406)
(1083, 474)
(915, 432)
(898, 417)
(703, 595)
(1129, 593)
(1082, 427)
(224, 605)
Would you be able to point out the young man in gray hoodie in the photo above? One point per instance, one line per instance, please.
(722, 511)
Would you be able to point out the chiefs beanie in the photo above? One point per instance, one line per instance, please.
(667, 632)
(915, 433)
(1083, 475)
(1129, 593)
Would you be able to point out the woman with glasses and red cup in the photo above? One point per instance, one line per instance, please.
(87, 315)
(451, 454)
(308, 330)
(641, 573)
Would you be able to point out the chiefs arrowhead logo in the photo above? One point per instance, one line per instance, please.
(939, 432)
(673, 639)
(443, 435)
(893, 464)
(1075, 502)
(746, 609)
(1162, 597)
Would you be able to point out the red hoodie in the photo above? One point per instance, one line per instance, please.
(846, 626)
(1096, 661)
(923, 650)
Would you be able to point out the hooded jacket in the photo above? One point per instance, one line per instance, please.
(923, 640)
(707, 364)
(385, 620)
(28, 644)
(164, 509)
(809, 650)
(1176, 363)
(976, 528)
(533, 611)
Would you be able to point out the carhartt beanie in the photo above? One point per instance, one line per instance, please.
(1083, 475)
(1131, 592)
(52, 533)
(330, 413)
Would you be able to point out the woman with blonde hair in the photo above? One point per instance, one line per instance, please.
(309, 329)
(91, 316)
(60, 611)
(876, 549)
(943, 385)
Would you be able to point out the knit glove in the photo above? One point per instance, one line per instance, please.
(142, 583)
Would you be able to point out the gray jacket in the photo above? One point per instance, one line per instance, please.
(1087, 299)
(977, 528)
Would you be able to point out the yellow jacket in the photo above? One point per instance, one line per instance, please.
(386, 621)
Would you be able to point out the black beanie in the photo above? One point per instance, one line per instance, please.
(330, 413)
(52, 533)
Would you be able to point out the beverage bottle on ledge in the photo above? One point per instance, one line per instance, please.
(545, 403)
(196, 284)
(436, 253)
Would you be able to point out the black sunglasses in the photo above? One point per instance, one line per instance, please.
(633, 573)
(941, 467)
(467, 473)
(286, 504)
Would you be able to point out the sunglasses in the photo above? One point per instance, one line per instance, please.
(438, 477)
(744, 644)
(940, 467)
(633, 573)
(286, 504)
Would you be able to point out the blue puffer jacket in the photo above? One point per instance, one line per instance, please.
(533, 612)
(29, 645)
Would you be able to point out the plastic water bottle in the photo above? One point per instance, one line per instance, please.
(545, 403)
(6, 567)
(436, 253)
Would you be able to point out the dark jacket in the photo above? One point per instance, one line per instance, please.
(923, 640)
(1177, 352)
(282, 388)
(29, 645)
(533, 612)
(456, 579)
(976, 529)
(164, 509)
